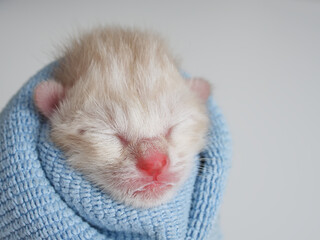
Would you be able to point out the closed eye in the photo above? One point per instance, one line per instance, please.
(123, 140)
(81, 131)
(171, 129)
(168, 134)
(93, 131)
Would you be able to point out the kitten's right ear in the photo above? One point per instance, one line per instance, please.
(47, 96)
(201, 87)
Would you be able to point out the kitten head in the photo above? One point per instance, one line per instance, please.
(124, 116)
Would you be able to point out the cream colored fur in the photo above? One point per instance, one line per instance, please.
(124, 84)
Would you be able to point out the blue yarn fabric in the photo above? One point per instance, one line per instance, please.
(41, 197)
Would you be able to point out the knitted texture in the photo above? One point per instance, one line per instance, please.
(41, 197)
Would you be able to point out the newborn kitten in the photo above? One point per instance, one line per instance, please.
(123, 114)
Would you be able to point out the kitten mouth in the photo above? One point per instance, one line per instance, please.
(154, 189)
(154, 185)
(146, 191)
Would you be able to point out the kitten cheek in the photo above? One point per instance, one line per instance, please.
(175, 158)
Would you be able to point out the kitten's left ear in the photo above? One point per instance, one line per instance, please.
(201, 87)
(47, 96)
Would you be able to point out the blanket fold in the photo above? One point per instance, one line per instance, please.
(41, 197)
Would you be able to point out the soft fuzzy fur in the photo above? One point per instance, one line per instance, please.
(116, 94)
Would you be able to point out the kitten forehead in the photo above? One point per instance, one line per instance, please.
(117, 60)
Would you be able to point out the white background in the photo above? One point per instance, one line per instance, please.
(263, 58)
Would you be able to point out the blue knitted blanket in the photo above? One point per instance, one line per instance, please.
(43, 198)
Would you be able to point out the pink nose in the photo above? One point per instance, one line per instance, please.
(153, 163)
